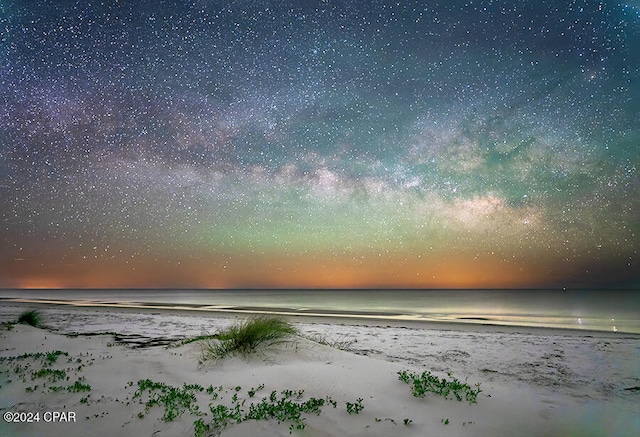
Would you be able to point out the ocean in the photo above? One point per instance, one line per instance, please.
(600, 310)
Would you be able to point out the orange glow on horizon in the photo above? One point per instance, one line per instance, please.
(459, 271)
(40, 283)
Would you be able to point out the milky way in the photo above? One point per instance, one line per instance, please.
(319, 143)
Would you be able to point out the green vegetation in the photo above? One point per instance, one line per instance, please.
(78, 386)
(288, 406)
(175, 401)
(286, 409)
(426, 382)
(246, 337)
(40, 366)
(355, 407)
(51, 374)
(55, 389)
(31, 317)
(252, 391)
(51, 357)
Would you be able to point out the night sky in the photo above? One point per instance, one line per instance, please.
(353, 143)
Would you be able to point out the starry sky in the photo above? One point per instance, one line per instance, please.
(310, 143)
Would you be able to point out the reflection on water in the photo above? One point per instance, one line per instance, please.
(603, 310)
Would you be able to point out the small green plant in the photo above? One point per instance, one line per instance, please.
(426, 382)
(200, 429)
(288, 407)
(175, 401)
(51, 357)
(51, 374)
(355, 407)
(31, 317)
(78, 387)
(246, 337)
(252, 391)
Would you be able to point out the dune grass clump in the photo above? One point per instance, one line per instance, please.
(246, 337)
(31, 317)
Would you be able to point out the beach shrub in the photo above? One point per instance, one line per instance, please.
(426, 382)
(246, 337)
(31, 317)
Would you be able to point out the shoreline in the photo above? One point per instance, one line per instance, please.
(330, 317)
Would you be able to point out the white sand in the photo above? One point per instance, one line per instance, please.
(534, 383)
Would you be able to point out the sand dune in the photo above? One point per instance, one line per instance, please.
(533, 384)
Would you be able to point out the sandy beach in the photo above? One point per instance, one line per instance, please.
(533, 382)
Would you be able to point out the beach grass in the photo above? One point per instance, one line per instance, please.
(246, 337)
(31, 317)
(343, 344)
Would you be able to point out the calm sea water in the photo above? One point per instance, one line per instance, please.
(602, 310)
